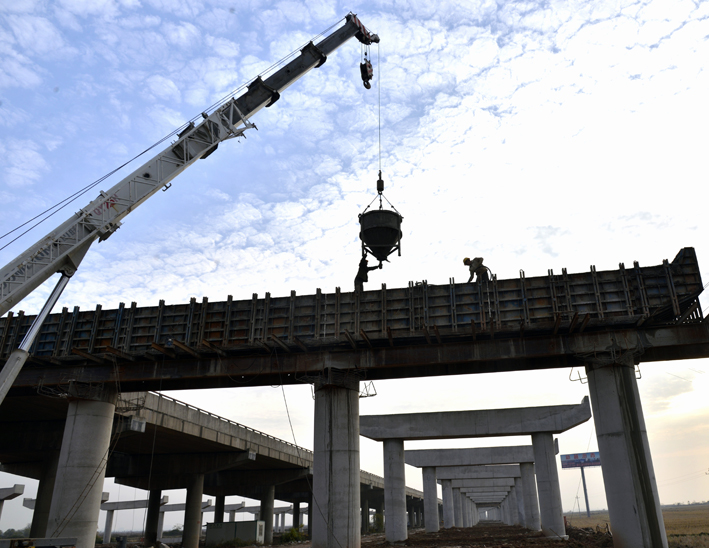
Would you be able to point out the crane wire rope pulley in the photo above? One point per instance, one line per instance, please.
(380, 229)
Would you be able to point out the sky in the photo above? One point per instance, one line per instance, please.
(538, 135)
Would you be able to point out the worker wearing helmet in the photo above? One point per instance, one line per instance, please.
(362, 273)
(476, 267)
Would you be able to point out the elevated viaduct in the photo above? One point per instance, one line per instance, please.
(604, 321)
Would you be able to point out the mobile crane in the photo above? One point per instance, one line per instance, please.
(62, 250)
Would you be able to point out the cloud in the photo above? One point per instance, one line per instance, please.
(21, 162)
(164, 88)
(104, 9)
(37, 35)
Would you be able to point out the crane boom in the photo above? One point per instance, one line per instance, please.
(63, 249)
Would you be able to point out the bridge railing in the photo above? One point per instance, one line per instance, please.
(223, 420)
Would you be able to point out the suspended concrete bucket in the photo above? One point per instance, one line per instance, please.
(380, 232)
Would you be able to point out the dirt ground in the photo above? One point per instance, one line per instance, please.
(494, 536)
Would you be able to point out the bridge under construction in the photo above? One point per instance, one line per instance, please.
(604, 321)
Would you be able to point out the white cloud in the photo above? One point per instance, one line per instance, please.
(38, 35)
(164, 88)
(21, 162)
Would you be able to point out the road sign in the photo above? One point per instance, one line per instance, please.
(579, 460)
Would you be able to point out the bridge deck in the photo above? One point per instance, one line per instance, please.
(422, 329)
(596, 299)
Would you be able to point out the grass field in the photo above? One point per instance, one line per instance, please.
(686, 526)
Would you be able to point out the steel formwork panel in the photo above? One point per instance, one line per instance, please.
(665, 293)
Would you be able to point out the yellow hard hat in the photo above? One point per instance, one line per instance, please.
(466, 260)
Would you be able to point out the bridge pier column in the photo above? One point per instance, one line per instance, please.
(519, 493)
(153, 517)
(296, 516)
(219, 503)
(395, 491)
(550, 509)
(364, 503)
(108, 528)
(81, 468)
(161, 524)
(628, 473)
(193, 512)
(448, 505)
(531, 503)
(336, 481)
(458, 507)
(45, 490)
(476, 518)
(513, 506)
(267, 503)
(310, 517)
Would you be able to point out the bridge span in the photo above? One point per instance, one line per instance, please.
(604, 321)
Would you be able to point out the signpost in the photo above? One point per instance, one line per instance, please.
(582, 460)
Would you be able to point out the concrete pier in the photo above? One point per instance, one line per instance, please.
(453, 466)
(551, 514)
(448, 504)
(430, 499)
(45, 491)
(81, 468)
(395, 491)
(267, 504)
(335, 518)
(531, 502)
(519, 495)
(193, 512)
(153, 517)
(219, 503)
(457, 507)
(628, 473)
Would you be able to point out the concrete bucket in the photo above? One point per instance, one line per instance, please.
(380, 232)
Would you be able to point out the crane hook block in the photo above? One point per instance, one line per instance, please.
(367, 73)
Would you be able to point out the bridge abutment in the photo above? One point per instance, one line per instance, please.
(336, 483)
(81, 467)
(628, 473)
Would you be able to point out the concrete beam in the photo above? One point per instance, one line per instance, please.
(411, 359)
(8, 493)
(478, 472)
(467, 457)
(473, 483)
(518, 421)
(131, 504)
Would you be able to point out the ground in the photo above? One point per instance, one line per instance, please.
(494, 536)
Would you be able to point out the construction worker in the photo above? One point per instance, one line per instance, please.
(476, 267)
(361, 276)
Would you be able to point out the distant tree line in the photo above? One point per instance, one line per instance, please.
(16, 533)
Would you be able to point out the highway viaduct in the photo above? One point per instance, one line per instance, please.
(160, 443)
(605, 322)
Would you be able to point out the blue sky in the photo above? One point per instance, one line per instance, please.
(535, 134)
